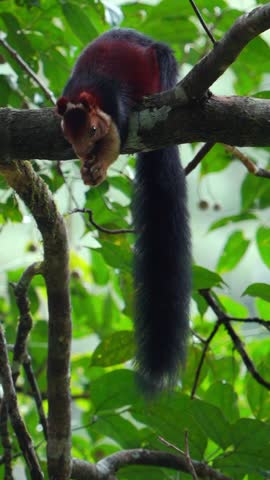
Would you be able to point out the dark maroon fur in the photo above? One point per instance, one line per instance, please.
(75, 122)
(61, 105)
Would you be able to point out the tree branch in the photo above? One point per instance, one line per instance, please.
(199, 157)
(33, 191)
(25, 320)
(5, 440)
(110, 231)
(225, 320)
(20, 355)
(205, 348)
(107, 467)
(242, 121)
(213, 65)
(202, 22)
(18, 425)
(247, 162)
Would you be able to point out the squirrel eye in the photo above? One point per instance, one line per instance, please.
(92, 130)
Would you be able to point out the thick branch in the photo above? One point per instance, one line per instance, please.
(35, 195)
(242, 121)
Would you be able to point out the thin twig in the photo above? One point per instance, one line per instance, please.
(202, 22)
(27, 365)
(259, 321)
(188, 458)
(249, 164)
(198, 157)
(44, 395)
(205, 348)
(246, 359)
(196, 335)
(99, 227)
(28, 70)
(171, 445)
(225, 320)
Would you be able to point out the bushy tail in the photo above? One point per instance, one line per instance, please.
(162, 268)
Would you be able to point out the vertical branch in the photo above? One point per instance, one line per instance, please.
(25, 321)
(36, 393)
(18, 425)
(33, 191)
(20, 355)
(205, 349)
(6, 443)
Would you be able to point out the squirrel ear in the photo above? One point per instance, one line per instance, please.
(87, 100)
(61, 105)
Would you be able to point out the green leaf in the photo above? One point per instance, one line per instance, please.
(218, 429)
(258, 397)
(262, 94)
(232, 219)
(235, 248)
(225, 368)
(79, 22)
(5, 90)
(215, 161)
(115, 349)
(263, 243)
(251, 441)
(99, 268)
(117, 256)
(261, 290)
(246, 430)
(204, 279)
(161, 21)
(233, 308)
(10, 209)
(170, 416)
(123, 184)
(201, 303)
(114, 390)
(255, 192)
(262, 308)
(239, 464)
(224, 397)
(16, 37)
(117, 428)
(248, 78)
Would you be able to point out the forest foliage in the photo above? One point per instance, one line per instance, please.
(222, 405)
